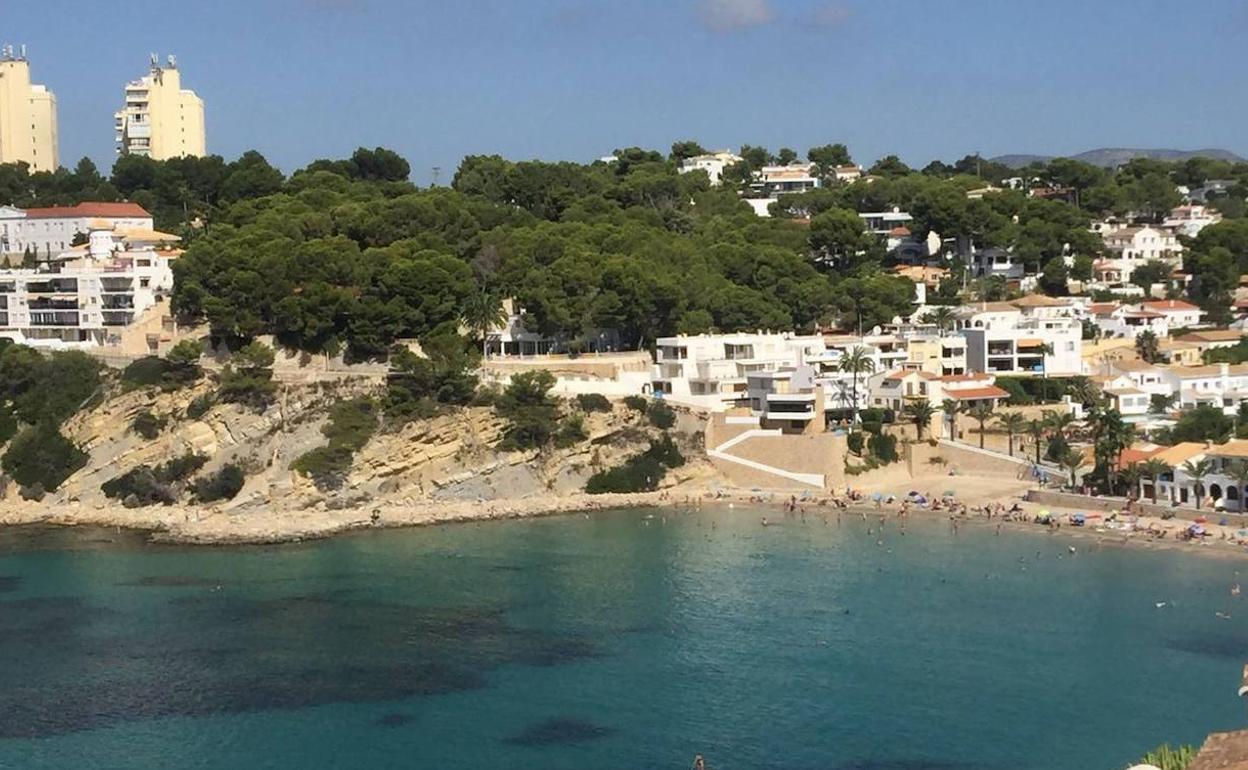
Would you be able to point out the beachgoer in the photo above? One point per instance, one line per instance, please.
(698, 762)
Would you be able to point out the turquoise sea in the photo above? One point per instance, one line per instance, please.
(625, 640)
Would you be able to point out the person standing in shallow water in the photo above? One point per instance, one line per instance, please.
(698, 762)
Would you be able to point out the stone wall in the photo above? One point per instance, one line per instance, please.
(821, 454)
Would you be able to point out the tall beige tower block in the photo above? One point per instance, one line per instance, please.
(160, 118)
(27, 115)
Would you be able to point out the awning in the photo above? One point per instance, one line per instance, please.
(975, 394)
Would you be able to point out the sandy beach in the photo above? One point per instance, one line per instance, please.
(217, 526)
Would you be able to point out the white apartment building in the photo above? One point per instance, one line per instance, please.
(28, 130)
(1130, 247)
(1001, 340)
(710, 370)
(1224, 386)
(712, 163)
(95, 291)
(51, 231)
(160, 119)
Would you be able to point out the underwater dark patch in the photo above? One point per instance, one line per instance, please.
(1214, 646)
(267, 654)
(559, 732)
(173, 581)
(394, 719)
(9, 583)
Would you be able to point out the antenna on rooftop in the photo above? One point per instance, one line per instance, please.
(23, 50)
(173, 62)
(154, 58)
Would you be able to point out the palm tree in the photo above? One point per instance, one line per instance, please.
(1238, 470)
(1146, 346)
(1013, 423)
(1046, 350)
(482, 312)
(1110, 436)
(981, 414)
(856, 361)
(1153, 469)
(1197, 471)
(1082, 390)
(1073, 461)
(922, 413)
(952, 408)
(1037, 429)
(1059, 422)
(1130, 477)
(943, 316)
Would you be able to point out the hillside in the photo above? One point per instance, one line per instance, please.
(1111, 157)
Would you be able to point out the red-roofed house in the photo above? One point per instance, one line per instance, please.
(51, 231)
(1177, 312)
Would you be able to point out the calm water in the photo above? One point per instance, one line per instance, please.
(613, 642)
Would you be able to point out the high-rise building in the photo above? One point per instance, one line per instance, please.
(27, 115)
(161, 119)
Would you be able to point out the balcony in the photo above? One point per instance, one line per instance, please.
(45, 303)
(53, 286)
(54, 319)
(1001, 348)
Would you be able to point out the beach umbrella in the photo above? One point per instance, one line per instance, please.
(1201, 520)
(1078, 518)
(1196, 529)
(877, 496)
(1241, 533)
(950, 493)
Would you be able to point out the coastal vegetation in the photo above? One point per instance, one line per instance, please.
(351, 424)
(642, 472)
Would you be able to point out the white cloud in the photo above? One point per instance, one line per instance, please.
(733, 15)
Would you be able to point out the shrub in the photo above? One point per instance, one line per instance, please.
(34, 492)
(1018, 396)
(856, 441)
(571, 431)
(182, 364)
(883, 447)
(593, 402)
(222, 485)
(872, 427)
(661, 415)
(1166, 758)
(145, 485)
(248, 378)
(47, 389)
(145, 372)
(351, 424)
(637, 403)
(418, 386)
(147, 425)
(199, 406)
(41, 455)
(640, 473)
(532, 415)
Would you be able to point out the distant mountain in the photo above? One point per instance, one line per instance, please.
(1110, 157)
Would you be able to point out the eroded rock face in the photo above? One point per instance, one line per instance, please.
(450, 456)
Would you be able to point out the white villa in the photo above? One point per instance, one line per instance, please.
(1131, 247)
(1038, 337)
(713, 163)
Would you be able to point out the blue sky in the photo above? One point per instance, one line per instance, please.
(574, 79)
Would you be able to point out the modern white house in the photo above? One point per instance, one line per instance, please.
(774, 181)
(789, 399)
(50, 231)
(1223, 386)
(997, 262)
(893, 390)
(90, 294)
(710, 370)
(883, 223)
(847, 174)
(713, 163)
